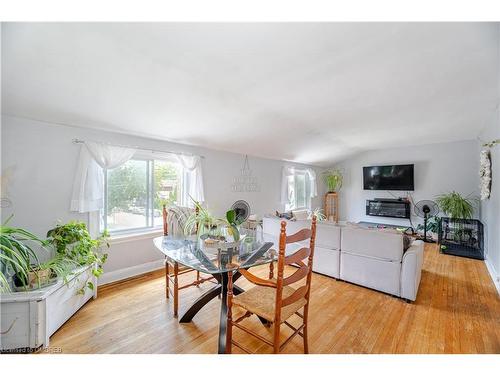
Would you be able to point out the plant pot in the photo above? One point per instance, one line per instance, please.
(36, 279)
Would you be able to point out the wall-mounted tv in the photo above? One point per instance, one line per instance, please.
(388, 177)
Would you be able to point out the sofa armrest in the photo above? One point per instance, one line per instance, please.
(411, 270)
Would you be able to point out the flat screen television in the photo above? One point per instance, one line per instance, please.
(388, 177)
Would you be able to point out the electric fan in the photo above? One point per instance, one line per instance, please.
(426, 209)
(242, 210)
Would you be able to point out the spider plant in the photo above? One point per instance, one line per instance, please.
(59, 265)
(201, 221)
(318, 212)
(17, 256)
(333, 179)
(456, 206)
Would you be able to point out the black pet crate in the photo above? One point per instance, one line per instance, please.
(462, 237)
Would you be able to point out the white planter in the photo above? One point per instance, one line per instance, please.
(28, 319)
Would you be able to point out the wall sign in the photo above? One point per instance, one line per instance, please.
(245, 182)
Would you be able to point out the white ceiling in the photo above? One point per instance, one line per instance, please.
(313, 93)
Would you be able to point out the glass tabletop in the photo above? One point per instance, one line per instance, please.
(252, 250)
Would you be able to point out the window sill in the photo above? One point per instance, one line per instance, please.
(137, 236)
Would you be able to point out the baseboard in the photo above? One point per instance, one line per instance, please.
(494, 275)
(125, 273)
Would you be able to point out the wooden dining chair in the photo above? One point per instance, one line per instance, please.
(276, 300)
(173, 270)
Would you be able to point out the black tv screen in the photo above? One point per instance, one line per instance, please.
(388, 177)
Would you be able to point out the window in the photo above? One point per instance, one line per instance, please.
(135, 192)
(299, 195)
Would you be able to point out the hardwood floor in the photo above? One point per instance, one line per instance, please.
(457, 311)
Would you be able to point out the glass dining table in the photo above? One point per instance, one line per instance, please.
(254, 249)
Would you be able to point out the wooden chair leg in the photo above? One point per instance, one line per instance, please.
(304, 331)
(167, 279)
(229, 326)
(176, 289)
(271, 270)
(197, 278)
(276, 341)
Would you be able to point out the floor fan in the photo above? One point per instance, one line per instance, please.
(426, 209)
(242, 210)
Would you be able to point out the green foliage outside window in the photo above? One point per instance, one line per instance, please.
(127, 185)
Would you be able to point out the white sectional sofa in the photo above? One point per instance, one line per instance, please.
(369, 257)
(327, 249)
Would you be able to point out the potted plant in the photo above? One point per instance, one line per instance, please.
(232, 223)
(456, 206)
(73, 243)
(318, 212)
(18, 260)
(433, 224)
(216, 232)
(459, 209)
(333, 179)
(45, 273)
(201, 221)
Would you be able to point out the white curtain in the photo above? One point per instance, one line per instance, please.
(285, 192)
(193, 180)
(88, 186)
(290, 171)
(313, 184)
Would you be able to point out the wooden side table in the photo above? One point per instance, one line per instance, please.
(331, 207)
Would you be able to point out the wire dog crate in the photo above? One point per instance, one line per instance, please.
(461, 237)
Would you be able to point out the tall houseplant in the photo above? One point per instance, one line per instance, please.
(456, 206)
(333, 179)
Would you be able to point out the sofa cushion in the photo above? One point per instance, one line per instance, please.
(327, 234)
(372, 243)
(326, 261)
(371, 272)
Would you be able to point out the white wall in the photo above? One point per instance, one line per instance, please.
(490, 208)
(439, 168)
(41, 160)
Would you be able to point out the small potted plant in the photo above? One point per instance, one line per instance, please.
(433, 224)
(201, 222)
(318, 212)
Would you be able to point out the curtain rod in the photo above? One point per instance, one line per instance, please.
(80, 141)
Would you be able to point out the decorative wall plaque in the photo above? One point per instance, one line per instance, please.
(245, 182)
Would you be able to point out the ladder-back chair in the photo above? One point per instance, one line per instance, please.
(275, 300)
(173, 270)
